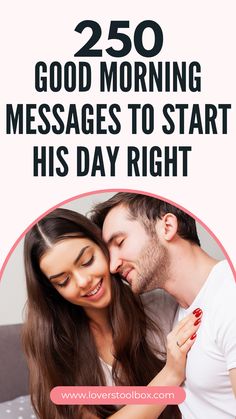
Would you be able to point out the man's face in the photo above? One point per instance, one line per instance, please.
(136, 255)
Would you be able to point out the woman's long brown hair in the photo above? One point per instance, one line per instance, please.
(57, 340)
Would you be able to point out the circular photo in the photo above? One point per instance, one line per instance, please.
(117, 289)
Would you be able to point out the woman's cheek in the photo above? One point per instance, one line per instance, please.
(101, 269)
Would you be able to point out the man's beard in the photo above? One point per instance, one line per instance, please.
(152, 267)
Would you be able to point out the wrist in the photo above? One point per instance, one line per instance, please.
(167, 377)
(172, 377)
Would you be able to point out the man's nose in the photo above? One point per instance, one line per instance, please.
(115, 263)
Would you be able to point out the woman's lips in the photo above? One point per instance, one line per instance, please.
(96, 292)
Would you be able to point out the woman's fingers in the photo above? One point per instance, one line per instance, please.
(188, 321)
(185, 331)
(179, 341)
(188, 344)
(190, 334)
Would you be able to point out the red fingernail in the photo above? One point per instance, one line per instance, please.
(197, 322)
(196, 309)
(197, 312)
(193, 336)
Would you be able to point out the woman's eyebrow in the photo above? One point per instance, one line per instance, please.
(80, 254)
(74, 263)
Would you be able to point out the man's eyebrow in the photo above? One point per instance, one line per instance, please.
(114, 237)
(74, 263)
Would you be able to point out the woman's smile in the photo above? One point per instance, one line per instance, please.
(95, 292)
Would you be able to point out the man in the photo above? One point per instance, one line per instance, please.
(153, 244)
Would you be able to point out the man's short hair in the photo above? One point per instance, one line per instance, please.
(147, 209)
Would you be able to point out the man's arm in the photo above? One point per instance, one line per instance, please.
(232, 374)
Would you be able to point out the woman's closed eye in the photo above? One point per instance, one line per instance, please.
(64, 282)
(88, 261)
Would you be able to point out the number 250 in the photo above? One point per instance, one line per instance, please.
(114, 33)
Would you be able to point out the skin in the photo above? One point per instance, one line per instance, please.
(179, 266)
(134, 253)
(232, 374)
(169, 376)
(161, 259)
(75, 267)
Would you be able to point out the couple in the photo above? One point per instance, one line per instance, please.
(86, 327)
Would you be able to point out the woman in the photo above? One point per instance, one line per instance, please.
(80, 321)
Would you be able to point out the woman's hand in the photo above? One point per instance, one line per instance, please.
(179, 342)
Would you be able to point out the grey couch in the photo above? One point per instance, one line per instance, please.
(13, 368)
(14, 399)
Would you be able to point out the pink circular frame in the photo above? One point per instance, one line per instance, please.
(116, 190)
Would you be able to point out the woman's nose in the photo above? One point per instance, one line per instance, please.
(83, 280)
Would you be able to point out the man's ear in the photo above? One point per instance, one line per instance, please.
(168, 226)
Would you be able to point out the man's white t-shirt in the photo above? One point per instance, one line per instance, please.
(208, 388)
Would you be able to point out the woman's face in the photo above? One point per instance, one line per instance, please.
(79, 271)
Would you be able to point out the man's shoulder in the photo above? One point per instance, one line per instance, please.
(221, 299)
(222, 267)
(223, 284)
